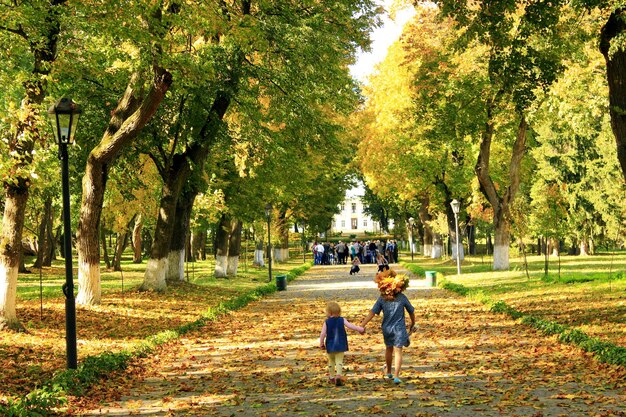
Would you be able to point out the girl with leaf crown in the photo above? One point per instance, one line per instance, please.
(392, 302)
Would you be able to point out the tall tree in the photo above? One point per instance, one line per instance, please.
(29, 34)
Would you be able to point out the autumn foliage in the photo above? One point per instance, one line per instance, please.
(390, 283)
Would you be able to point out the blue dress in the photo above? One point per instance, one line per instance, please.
(336, 337)
(394, 326)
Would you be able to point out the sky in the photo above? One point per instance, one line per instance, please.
(382, 38)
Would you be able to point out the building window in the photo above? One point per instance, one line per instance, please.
(364, 222)
(343, 206)
(343, 224)
(354, 207)
(334, 224)
(355, 224)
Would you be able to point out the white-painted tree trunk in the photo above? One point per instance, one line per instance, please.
(281, 254)
(89, 289)
(8, 291)
(428, 250)
(154, 278)
(436, 251)
(501, 257)
(176, 265)
(221, 266)
(502, 240)
(233, 265)
(584, 247)
(461, 249)
(258, 258)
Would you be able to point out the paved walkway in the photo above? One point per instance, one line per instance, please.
(264, 360)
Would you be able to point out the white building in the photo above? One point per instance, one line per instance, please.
(351, 220)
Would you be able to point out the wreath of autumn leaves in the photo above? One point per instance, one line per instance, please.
(390, 283)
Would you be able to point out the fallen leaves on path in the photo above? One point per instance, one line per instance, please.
(463, 360)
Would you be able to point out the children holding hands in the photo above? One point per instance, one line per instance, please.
(334, 338)
(392, 303)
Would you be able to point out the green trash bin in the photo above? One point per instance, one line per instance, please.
(431, 278)
(281, 282)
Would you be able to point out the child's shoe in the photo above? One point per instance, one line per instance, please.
(339, 382)
(397, 381)
(332, 380)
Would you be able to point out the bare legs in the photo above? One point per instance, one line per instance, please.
(394, 353)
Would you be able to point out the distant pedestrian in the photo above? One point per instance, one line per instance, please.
(382, 262)
(392, 302)
(335, 340)
(355, 266)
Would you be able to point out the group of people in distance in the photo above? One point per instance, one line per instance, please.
(368, 252)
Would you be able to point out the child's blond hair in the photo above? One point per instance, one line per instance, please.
(333, 309)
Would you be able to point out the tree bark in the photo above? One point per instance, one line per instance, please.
(137, 229)
(176, 256)
(10, 248)
(613, 30)
(281, 253)
(43, 233)
(105, 251)
(128, 119)
(120, 245)
(234, 247)
(428, 236)
(222, 246)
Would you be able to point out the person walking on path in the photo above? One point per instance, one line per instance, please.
(334, 338)
(392, 302)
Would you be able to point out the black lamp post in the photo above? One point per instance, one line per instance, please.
(268, 216)
(411, 236)
(456, 207)
(64, 118)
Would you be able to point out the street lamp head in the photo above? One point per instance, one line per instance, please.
(456, 206)
(64, 118)
(268, 210)
(411, 220)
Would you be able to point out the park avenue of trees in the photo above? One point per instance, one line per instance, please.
(198, 114)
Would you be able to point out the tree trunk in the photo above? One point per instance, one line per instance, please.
(281, 253)
(502, 240)
(120, 245)
(258, 254)
(437, 248)
(105, 251)
(234, 247)
(137, 228)
(425, 219)
(21, 138)
(614, 30)
(175, 176)
(221, 246)
(471, 238)
(178, 245)
(584, 247)
(489, 244)
(10, 248)
(197, 243)
(128, 119)
(44, 233)
(500, 204)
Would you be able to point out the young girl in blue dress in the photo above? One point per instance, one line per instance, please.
(392, 302)
(334, 338)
